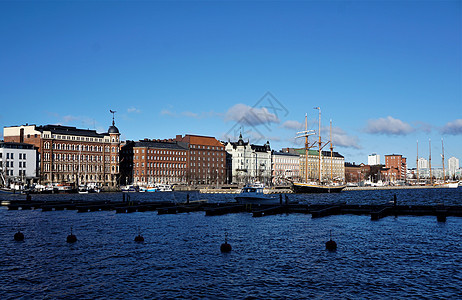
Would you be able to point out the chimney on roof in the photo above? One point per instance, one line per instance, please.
(21, 135)
(179, 137)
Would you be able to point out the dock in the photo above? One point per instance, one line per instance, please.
(376, 212)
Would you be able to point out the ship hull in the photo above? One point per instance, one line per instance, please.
(313, 188)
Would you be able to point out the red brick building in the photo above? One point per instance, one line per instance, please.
(397, 167)
(71, 155)
(150, 162)
(207, 159)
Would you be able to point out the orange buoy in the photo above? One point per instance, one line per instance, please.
(19, 236)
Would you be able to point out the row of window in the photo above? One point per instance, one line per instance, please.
(11, 155)
(207, 153)
(208, 159)
(161, 172)
(167, 152)
(208, 165)
(81, 168)
(160, 165)
(162, 158)
(77, 157)
(208, 171)
(72, 147)
(206, 147)
(10, 164)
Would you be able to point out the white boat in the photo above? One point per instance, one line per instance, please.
(163, 187)
(452, 185)
(129, 188)
(255, 195)
(83, 190)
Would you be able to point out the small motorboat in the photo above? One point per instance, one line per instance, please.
(255, 195)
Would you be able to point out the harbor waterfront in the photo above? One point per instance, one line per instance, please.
(278, 256)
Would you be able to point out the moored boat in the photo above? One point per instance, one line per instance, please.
(255, 195)
(300, 187)
(319, 186)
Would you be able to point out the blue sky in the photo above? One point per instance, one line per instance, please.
(388, 73)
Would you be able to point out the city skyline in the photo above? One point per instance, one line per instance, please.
(386, 73)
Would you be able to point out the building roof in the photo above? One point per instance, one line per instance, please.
(13, 145)
(284, 154)
(316, 152)
(69, 130)
(161, 145)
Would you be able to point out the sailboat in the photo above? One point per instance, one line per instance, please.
(319, 186)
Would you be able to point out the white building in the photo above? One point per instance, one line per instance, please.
(18, 163)
(423, 163)
(248, 163)
(286, 166)
(373, 159)
(453, 166)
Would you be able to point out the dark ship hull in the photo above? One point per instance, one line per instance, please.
(314, 188)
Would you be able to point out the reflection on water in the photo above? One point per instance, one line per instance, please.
(280, 256)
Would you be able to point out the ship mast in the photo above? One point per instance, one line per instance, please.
(417, 162)
(442, 156)
(319, 144)
(306, 148)
(430, 160)
(331, 152)
(306, 134)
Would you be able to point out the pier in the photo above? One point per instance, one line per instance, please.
(376, 212)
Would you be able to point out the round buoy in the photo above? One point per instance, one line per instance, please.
(71, 238)
(19, 236)
(331, 245)
(139, 238)
(225, 247)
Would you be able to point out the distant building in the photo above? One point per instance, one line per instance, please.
(331, 168)
(285, 166)
(148, 162)
(423, 163)
(207, 159)
(397, 167)
(453, 166)
(355, 173)
(373, 159)
(71, 155)
(18, 163)
(249, 163)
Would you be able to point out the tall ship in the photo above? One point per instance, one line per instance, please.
(313, 185)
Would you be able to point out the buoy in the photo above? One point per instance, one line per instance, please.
(331, 245)
(225, 247)
(71, 238)
(19, 236)
(139, 238)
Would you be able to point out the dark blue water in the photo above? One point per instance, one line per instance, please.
(279, 256)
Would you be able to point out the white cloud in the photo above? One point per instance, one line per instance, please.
(190, 114)
(167, 112)
(453, 128)
(291, 124)
(341, 139)
(251, 116)
(133, 110)
(388, 126)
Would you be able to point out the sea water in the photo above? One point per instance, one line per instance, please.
(280, 256)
